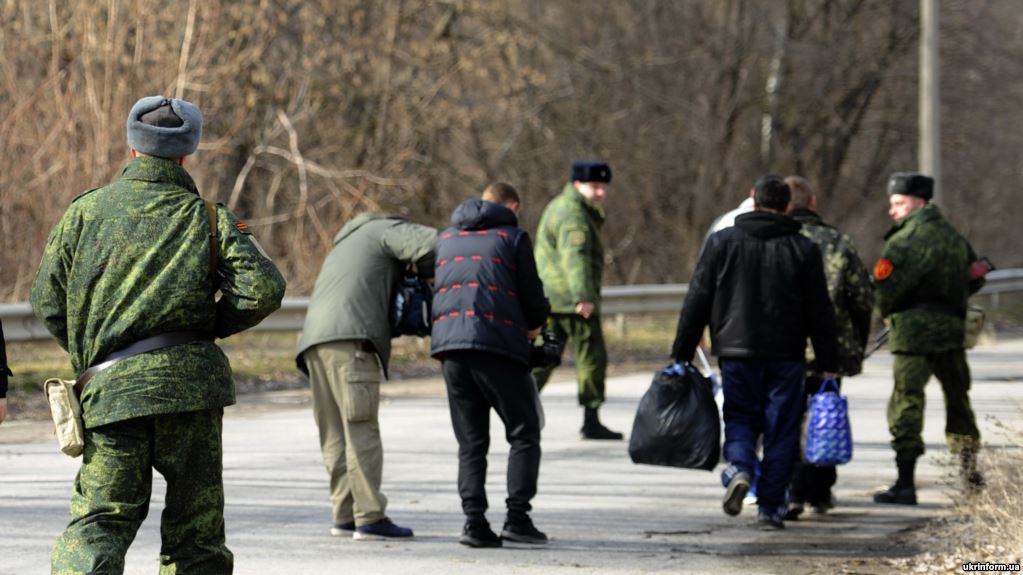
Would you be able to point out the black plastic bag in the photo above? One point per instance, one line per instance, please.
(677, 422)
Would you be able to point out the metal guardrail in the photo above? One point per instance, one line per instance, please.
(21, 325)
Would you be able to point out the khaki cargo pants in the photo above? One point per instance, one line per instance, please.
(345, 380)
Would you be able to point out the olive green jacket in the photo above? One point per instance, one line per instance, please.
(130, 261)
(849, 287)
(922, 283)
(352, 295)
(569, 253)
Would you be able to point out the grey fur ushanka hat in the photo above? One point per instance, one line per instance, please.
(165, 141)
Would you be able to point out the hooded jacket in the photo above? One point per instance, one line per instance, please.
(352, 296)
(487, 293)
(760, 286)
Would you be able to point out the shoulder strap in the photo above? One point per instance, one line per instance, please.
(211, 212)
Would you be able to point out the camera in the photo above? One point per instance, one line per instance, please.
(545, 351)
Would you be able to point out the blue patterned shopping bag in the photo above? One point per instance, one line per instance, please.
(828, 433)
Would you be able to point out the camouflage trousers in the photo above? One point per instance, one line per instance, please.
(587, 339)
(113, 487)
(906, 405)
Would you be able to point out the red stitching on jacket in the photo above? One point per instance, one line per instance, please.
(446, 236)
(477, 258)
(503, 234)
(463, 233)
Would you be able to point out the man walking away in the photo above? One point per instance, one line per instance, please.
(923, 283)
(489, 305)
(570, 257)
(346, 341)
(127, 285)
(760, 286)
(852, 297)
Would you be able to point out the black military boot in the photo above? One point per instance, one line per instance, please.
(904, 490)
(973, 481)
(594, 429)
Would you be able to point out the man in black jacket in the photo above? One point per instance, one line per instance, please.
(761, 287)
(488, 305)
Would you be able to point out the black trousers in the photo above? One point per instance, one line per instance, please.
(811, 484)
(476, 382)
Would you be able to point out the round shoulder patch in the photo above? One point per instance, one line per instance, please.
(883, 268)
(577, 237)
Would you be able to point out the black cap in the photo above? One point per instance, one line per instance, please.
(911, 184)
(585, 171)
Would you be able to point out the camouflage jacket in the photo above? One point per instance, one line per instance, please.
(922, 283)
(569, 253)
(130, 261)
(849, 288)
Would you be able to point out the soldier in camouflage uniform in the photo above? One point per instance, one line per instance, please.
(133, 262)
(851, 293)
(570, 258)
(923, 284)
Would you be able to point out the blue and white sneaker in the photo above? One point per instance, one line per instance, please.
(381, 530)
(736, 483)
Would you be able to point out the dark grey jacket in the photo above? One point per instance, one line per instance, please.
(487, 294)
(352, 296)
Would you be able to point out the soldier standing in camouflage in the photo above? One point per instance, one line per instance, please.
(852, 297)
(923, 284)
(136, 264)
(570, 258)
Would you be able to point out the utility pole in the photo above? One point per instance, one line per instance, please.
(929, 154)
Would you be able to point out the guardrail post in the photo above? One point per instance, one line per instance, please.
(620, 325)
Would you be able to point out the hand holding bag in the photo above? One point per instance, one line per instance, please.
(828, 433)
(677, 422)
(67, 415)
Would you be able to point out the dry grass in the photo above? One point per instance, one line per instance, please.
(985, 527)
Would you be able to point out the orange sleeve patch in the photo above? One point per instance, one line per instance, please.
(883, 268)
(242, 227)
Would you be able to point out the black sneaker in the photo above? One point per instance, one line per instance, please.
(738, 485)
(477, 533)
(522, 530)
(897, 495)
(770, 521)
(598, 431)
(795, 510)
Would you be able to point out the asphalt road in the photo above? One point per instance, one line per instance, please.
(603, 513)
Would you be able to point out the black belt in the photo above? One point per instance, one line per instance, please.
(940, 308)
(156, 342)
